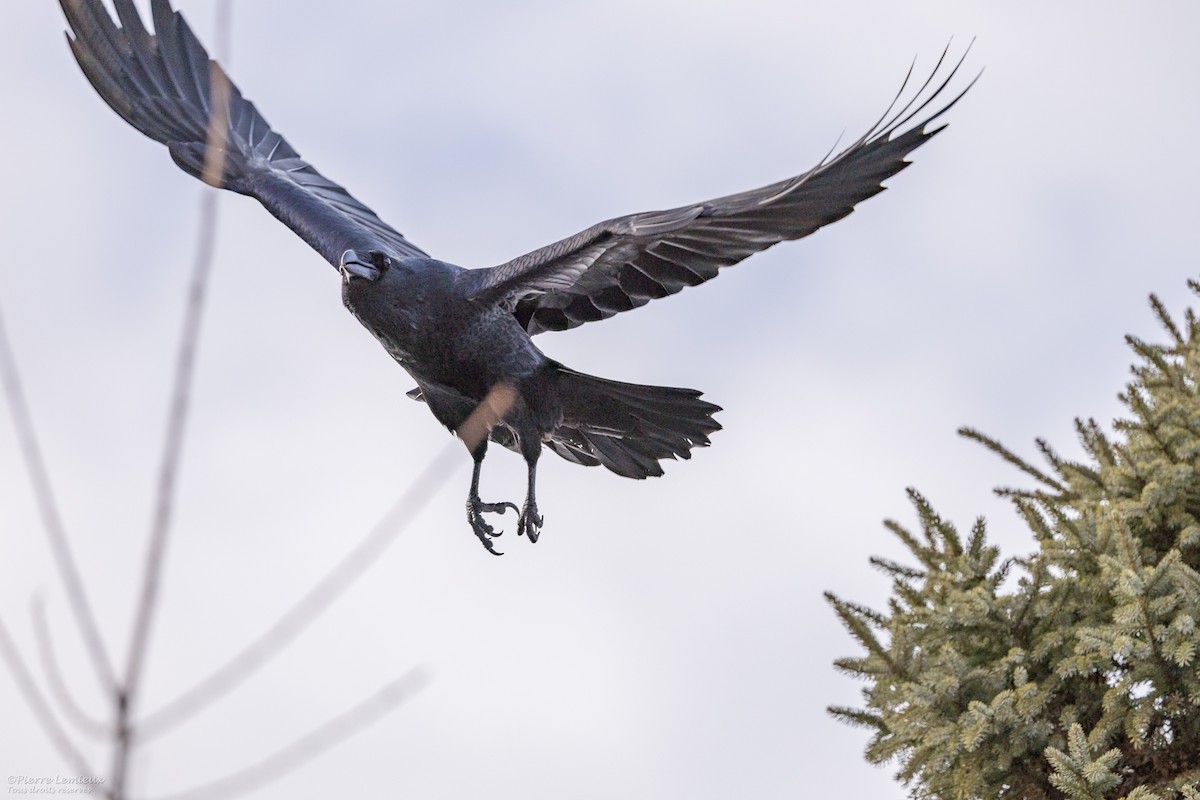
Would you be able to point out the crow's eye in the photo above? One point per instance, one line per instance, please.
(381, 261)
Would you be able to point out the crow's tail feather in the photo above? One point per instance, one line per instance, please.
(628, 427)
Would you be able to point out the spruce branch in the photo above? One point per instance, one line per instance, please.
(857, 718)
(1010, 457)
(1078, 679)
(1077, 774)
(1164, 318)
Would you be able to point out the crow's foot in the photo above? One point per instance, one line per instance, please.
(476, 508)
(531, 521)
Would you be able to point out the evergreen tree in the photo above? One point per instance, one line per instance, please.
(1079, 679)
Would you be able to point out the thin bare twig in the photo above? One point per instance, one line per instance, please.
(216, 140)
(51, 517)
(315, 602)
(182, 388)
(476, 427)
(335, 583)
(156, 550)
(173, 448)
(312, 744)
(38, 705)
(58, 687)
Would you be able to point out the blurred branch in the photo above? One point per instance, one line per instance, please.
(173, 448)
(51, 517)
(335, 583)
(38, 705)
(185, 364)
(58, 687)
(125, 692)
(478, 425)
(312, 744)
(311, 605)
(185, 369)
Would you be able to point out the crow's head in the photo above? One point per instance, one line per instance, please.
(369, 266)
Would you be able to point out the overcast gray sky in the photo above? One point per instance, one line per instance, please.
(665, 638)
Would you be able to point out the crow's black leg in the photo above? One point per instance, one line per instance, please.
(476, 507)
(530, 523)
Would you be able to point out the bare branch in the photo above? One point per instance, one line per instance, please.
(312, 744)
(38, 705)
(185, 368)
(58, 687)
(181, 394)
(476, 427)
(318, 599)
(173, 448)
(218, 123)
(51, 517)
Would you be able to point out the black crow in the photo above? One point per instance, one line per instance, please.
(464, 334)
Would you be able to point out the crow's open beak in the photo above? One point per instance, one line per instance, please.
(355, 266)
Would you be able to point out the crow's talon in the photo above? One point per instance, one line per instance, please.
(476, 508)
(530, 523)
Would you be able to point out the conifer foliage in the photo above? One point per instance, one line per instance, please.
(1080, 678)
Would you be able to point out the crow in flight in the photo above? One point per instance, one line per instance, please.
(464, 334)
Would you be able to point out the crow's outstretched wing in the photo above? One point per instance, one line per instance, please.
(626, 262)
(162, 84)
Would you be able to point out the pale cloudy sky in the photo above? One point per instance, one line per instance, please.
(665, 638)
